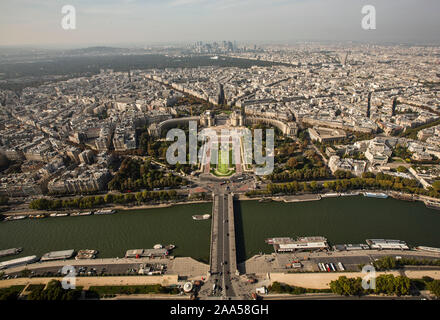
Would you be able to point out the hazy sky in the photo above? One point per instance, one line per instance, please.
(107, 22)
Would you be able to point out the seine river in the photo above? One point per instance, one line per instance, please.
(113, 234)
(341, 220)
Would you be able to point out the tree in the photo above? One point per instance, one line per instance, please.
(340, 174)
(386, 263)
(434, 287)
(54, 291)
(40, 204)
(144, 142)
(436, 185)
(402, 169)
(292, 163)
(388, 284)
(347, 286)
(108, 198)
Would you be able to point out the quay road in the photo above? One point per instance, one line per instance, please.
(223, 257)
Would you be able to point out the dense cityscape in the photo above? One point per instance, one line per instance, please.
(226, 157)
(361, 112)
(348, 122)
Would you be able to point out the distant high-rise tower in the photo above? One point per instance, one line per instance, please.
(369, 105)
(343, 58)
(346, 58)
(221, 94)
(393, 109)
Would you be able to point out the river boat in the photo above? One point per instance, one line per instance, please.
(201, 217)
(376, 195)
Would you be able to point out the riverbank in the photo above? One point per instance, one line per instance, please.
(306, 197)
(119, 208)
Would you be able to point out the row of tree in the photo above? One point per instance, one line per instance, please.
(97, 201)
(391, 263)
(300, 175)
(385, 284)
(278, 287)
(368, 181)
(54, 292)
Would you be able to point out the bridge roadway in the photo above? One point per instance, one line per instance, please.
(223, 258)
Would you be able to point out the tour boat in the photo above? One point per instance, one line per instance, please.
(201, 217)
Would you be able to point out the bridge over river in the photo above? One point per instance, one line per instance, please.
(223, 255)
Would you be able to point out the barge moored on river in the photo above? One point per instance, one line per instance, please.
(376, 195)
(299, 244)
(432, 204)
(103, 212)
(428, 249)
(18, 262)
(58, 215)
(13, 218)
(86, 254)
(78, 214)
(142, 253)
(58, 255)
(10, 252)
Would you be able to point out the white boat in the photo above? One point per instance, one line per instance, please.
(99, 212)
(15, 218)
(86, 254)
(158, 246)
(375, 195)
(428, 249)
(19, 218)
(330, 195)
(56, 215)
(432, 204)
(62, 215)
(18, 262)
(201, 217)
(88, 213)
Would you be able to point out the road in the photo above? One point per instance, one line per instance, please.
(221, 273)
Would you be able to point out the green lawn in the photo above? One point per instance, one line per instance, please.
(146, 289)
(223, 168)
(223, 164)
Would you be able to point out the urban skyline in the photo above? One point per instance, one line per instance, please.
(108, 22)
